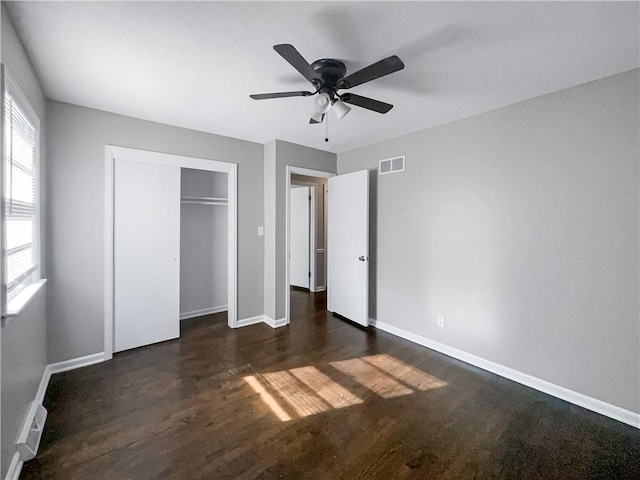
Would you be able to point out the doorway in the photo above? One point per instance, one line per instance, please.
(306, 245)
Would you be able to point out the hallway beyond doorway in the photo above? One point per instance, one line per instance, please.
(307, 304)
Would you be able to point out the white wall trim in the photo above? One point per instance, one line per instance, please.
(590, 403)
(75, 363)
(65, 366)
(157, 158)
(22, 299)
(245, 322)
(15, 467)
(281, 322)
(44, 384)
(312, 238)
(203, 311)
(320, 289)
(289, 171)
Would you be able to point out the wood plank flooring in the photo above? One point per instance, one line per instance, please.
(319, 399)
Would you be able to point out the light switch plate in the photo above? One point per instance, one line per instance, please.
(261, 231)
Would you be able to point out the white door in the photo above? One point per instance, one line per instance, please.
(348, 246)
(146, 254)
(299, 237)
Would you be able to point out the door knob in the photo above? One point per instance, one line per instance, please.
(361, 258)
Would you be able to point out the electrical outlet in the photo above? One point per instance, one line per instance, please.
(261, 231)
(440, 321)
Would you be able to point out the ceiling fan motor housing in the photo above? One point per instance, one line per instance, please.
(331, 71)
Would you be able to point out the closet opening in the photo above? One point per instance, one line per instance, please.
(170, 245)
(203, 244)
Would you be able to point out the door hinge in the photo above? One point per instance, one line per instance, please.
(309, 274)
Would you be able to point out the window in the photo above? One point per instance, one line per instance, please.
(20, 190)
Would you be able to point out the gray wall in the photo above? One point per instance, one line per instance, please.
(76, 149)
(280, 155)
(270, 229)
(203, 242)
(521, 226)
(321, 223)
(24, 340)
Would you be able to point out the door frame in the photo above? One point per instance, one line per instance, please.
(113, 153)
(309, 173)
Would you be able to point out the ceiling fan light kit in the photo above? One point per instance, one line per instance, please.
(341, 109)
(322, 103)
(316, 117)
(329, 75)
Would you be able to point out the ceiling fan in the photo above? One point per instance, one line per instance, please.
(329, 75)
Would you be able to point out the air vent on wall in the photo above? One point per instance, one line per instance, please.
(391, 165)
(29, 439)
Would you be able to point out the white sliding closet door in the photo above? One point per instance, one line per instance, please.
(146, 254)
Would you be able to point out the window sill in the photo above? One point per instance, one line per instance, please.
(17, 304)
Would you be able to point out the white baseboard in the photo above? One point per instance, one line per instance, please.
(281, 322)
(44, 383)
(75, 363)
(245, 322)
(590, 403)
(204, 311)
(320, 289)
(65, 367)
(15, 467)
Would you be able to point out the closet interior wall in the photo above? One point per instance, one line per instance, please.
(203, 243)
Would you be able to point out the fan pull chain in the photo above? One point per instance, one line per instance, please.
(326, 126)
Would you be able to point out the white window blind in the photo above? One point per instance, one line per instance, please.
(20, 137)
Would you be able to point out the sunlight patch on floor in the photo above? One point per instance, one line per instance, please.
(405, 373)
(304, 402)
(372, 378)
(333, 393)
(304, 391)
(267, 398)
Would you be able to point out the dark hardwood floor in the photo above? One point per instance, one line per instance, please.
(319, 399)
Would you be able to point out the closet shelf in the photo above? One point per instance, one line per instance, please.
(204, 200)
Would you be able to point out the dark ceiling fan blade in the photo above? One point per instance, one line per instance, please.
(297, 61)
(366, 102)
(379, 69)
(265, 96)
(313, 121)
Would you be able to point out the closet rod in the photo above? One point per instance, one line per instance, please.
(196, 202)
(204, 200)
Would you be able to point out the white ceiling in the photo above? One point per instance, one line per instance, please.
(194, 64)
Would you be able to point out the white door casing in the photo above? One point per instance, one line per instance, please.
(348, 246)
(146, 254)
(299, 274)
